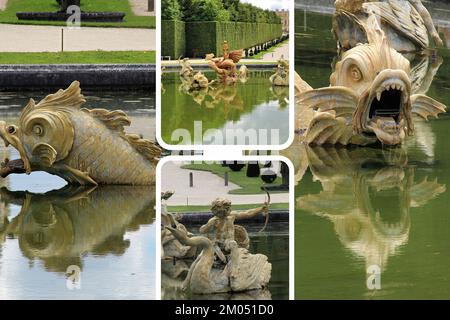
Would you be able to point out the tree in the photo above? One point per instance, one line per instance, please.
(171, 10)
(205, 10)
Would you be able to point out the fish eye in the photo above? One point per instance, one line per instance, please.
(11, 129)
(355, 73)
(38, 130)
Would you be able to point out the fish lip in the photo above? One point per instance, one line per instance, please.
(21, 165)
(390, 86)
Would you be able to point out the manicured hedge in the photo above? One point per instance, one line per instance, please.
(173, 41)
(195, 39)
(208, 37)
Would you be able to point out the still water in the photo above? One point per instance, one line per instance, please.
(365, 209)
(104, 237)
(272, 242)
(253, 108)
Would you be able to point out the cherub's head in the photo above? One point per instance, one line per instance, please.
(221, 207)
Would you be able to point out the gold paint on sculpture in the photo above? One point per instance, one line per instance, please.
(82, 146)
(369, 100)
(226, 66)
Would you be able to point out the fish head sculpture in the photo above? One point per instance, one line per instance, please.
(82, 146)
(370, 98)
(44, 133)
(379, 77)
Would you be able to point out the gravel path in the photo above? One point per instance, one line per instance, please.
(140, 8)
(24, 38)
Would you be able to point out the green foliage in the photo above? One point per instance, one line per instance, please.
(208, 37)
(77, 57)
(173, 42)
(130, 21)
(205, 10)
(171, 10)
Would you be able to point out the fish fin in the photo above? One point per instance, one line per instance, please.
(326, 128)
(343, 101)
(68, 98)
(301, 85)
(403, 17)
(45, 153)
(116, 121)
(145, 147)
(425, 106)
(76, 176)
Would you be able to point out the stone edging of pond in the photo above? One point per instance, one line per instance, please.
(91, 76)
(204, 66)
(195, 218)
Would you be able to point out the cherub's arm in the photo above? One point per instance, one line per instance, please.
(428, 21)
(208, 226)
(240, 215)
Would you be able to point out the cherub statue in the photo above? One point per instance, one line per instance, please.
(225, 67)
(222, 226)
(187, 72)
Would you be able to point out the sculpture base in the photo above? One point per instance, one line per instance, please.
(62, 16)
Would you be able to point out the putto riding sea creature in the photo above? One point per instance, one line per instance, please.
(80, 145)
(407, 23)
(369, 100)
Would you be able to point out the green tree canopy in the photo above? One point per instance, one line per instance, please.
(171, 10)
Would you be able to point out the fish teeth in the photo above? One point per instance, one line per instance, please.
(393, 87)
(378, 95)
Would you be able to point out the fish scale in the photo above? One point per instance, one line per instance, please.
(105, 155)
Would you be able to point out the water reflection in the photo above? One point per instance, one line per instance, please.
(367, 196)
(253, 105)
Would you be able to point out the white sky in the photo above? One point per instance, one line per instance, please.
(270, 4)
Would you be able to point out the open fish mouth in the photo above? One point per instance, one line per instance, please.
(8, 133)
(387, 110)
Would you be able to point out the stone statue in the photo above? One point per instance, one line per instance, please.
(187, 72)
(225, 67)
(281, 76)
(243, 74)
(243, 271)
(369, 100)
(82, 146)
(222, 226)
(407, 23)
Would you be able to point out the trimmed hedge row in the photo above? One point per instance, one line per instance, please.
(201, 38)
(173, 40)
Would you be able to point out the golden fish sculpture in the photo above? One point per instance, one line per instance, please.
(82, 146)
(369, 99)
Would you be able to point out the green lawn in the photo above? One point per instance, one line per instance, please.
(130, 20)
(238, 207)
(90, 57)
(272, 49)
(248, 185)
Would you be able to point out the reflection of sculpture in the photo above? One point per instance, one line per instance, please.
(225, 67)
(82, 146)
(367, 198)
(281, 76)
(407, 24)
(369, 100)
(60, 227)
